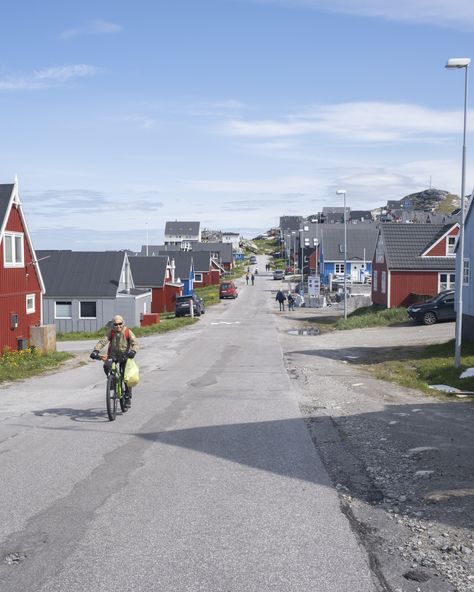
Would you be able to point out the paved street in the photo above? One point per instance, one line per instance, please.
(211, 482)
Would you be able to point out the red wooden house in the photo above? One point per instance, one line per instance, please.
(413, 260)
(157, 274)
(21, 285)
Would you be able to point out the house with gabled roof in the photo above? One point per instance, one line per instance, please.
(21, 282)
(157, 274)
(360, 239)
(182, 234)
(413, 260)
(182, 264)
(85, 289)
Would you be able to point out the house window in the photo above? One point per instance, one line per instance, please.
(450, 244)
(88, 310)
(466, 272)
(375, 280)
(383, 282)
(446, 281)
(63, 310)
(30, 303)
(13, 250)
(198, 277)
(339, 268)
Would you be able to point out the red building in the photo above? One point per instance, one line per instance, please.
(413, 260)
(21, 285)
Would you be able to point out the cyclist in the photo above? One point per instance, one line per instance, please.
(123, 345)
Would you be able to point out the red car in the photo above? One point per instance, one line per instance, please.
(289, 270)
(228, 290)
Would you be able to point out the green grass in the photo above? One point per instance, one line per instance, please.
(372, 316)
(168, 322)
(15, 365)
(209, 294)
(419, 367)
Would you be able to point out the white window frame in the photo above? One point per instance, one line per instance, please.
(338, 268)
(450, 246)
(383, 282)
(56, 308)
(450, 281)
(81, 302)
(30, 309)
(466, 272)
(375, 276)
(16, 261)
(198, 277)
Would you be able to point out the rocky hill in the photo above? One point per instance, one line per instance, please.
(432, 200)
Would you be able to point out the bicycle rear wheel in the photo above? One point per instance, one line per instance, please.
(111, 397)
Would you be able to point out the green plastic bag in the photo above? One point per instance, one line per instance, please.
(132, 374)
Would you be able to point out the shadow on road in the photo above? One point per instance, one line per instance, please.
(81, 415)
(407, 459)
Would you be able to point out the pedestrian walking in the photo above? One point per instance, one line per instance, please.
(247, 278)
(253, 279)
(280, 298)
(291, 302)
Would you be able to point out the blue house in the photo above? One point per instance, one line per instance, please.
(361, 240)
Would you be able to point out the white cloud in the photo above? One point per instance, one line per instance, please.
(455, 14)
(354, 122)
(48, 77)
(97, 27)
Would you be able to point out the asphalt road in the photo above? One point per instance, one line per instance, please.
(210, 483)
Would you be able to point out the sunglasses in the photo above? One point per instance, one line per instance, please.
(118, 324)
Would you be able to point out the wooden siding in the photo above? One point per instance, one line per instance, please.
(439, 249)
(15, 284)
(404, 283)
(377, 296)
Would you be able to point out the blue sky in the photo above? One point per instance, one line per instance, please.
(117, 116)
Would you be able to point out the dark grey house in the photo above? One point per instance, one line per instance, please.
(85, 289)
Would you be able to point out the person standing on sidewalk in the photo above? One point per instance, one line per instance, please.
(253, 279)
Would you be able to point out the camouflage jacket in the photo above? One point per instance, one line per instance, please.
(118, 342)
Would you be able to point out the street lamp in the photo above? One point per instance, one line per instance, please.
(301, 230)
(343, 192)
(293, 232)
(456, 63)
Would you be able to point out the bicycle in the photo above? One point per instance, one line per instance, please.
(115, 389)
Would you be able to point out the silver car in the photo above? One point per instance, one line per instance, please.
(278, 274)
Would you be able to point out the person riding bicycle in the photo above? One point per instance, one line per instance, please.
(123, 345)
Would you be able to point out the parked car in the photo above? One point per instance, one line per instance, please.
(439, 308)
(228, 290)
(289, 270)
(183, 306)
(278, 274)
(253, 260)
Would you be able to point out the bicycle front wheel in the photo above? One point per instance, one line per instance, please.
(111, 397)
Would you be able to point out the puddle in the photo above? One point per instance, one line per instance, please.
(307, 331)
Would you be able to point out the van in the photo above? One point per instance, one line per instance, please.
(253, 260)
(228, 289)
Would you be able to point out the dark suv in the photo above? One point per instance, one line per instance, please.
(183, 306)
(438, 308)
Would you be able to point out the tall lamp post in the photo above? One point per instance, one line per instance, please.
(301, 231)
(293, 232)
(456, 63)
(343, 192)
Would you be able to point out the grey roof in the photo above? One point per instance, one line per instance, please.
(361, 241)
(290, 222)
(183, 261)
(5, 196)
(153, 250)
(224, 250)
(405, 243)
(362, 215)
(182, 228)
(81, 274)
(149, 272)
